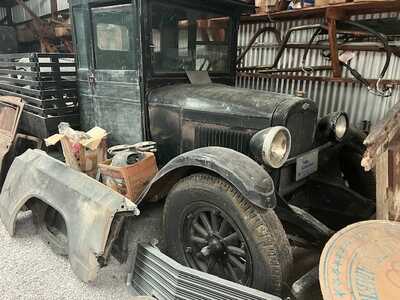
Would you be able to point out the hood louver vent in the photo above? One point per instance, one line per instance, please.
(233, 139)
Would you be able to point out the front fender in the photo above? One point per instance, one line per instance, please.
(87, 206)
(247, 176)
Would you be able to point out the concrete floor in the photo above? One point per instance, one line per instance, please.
(30, 270)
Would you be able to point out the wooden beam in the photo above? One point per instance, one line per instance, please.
(53, 8)
(383, 151)
(394, 179)
(333, 47)
(388, 183)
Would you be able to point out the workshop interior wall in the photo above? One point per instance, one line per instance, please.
(329, 96)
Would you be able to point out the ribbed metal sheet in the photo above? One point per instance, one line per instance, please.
(3, 12)
(155, 274)
(39, 7)
(330, 96)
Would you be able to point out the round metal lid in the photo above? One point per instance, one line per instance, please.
(362, 261)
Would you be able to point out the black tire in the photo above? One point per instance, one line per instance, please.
(268, 257)
(360, 181)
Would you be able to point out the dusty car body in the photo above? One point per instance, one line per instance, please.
(164, 71)
(243, 172)
(92, 212)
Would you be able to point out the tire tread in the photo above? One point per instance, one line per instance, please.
(268, 231)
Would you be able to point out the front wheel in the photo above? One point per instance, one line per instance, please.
(210, 226)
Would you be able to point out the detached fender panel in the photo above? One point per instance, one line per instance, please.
(247, 176)
(87, 206)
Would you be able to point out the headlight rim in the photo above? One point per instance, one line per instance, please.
(335, 123)
(267, 146)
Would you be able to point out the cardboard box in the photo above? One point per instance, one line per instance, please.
(263, 6)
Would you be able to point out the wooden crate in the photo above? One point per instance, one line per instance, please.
(47, 84)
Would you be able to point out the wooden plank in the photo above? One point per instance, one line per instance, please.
(394, 179)
(320, 11)
(382, 185)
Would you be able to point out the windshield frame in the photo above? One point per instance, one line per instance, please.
(231, 38)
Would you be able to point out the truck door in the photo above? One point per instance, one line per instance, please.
(111, 98)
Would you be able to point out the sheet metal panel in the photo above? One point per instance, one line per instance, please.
(330, 96)
(39, 7)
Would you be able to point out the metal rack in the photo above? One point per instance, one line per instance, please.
(332, 14)
(47, 84)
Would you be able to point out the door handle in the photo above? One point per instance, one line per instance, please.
(91, 79)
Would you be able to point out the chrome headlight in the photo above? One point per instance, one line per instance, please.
(340, 126)
(271, 146)
(333, 127)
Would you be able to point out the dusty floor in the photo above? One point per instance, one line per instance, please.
(30, 270)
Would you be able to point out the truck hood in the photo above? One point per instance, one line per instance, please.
(224, 99)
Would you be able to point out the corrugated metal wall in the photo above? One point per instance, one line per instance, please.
(39, 7)
(330, 96)
(3, 12)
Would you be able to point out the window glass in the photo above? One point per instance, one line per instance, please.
(186, 39)
(114, 35)
(80, 16)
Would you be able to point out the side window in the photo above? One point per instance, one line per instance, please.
(114, 37)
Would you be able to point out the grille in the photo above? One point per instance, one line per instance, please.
(233, 139)
(300, 117)
(155, 274)
(302, 126)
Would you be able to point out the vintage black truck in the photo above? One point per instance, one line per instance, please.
(244, 173)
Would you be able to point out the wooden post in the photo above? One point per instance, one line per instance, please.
(383, 152)
(336, 68)
(382, 184)
(331, 15)
(394, 178)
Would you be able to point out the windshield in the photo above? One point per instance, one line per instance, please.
(186, 39)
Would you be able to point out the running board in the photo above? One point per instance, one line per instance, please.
(155, 274)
